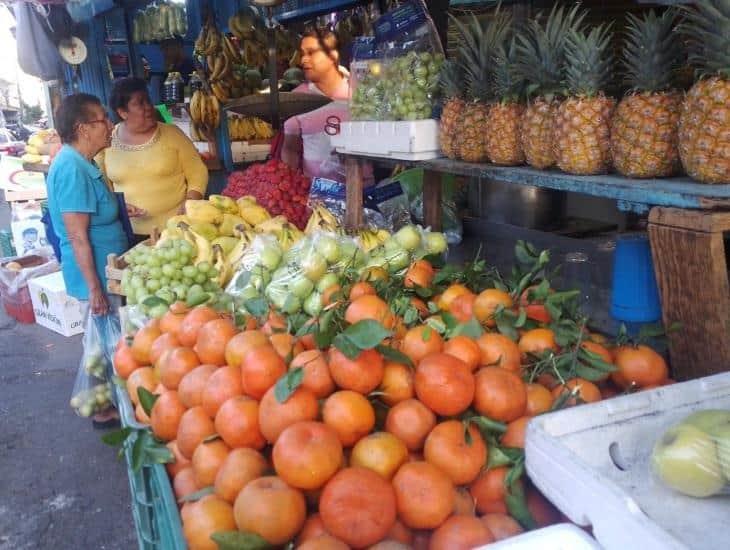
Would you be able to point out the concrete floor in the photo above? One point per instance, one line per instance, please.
(60, 486)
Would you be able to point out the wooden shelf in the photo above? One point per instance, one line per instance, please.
(679, 192)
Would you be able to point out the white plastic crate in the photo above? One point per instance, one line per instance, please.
(404, 139)
(563, 536)
(244, 151)
(592, 462)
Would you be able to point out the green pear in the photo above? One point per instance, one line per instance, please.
(708, 419)
(408, 237)
(685, 459)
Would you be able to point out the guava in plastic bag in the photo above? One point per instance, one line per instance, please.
(309, 268)
(92, 391)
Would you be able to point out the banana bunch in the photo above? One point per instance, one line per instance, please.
(209, 39)
(204, 113)
(204, 250)
(288, 235)
(225, 270)
(322, 220)
(248, 128)
(245, 238)
(370, 239)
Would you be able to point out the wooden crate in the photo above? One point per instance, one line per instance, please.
(116, 264)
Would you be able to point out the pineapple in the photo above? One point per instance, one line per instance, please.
(505, 115)
(480, 40)
(452, 78)
(704, 123)
(540, 60)
(581, 140)
(644, 126)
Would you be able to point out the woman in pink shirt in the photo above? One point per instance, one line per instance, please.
(306, 143)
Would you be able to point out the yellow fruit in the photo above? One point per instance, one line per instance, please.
(223, 203)
(254, 214)
(229, 223)
(201, 211)
(207, 230)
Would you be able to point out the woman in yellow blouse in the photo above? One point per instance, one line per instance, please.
(155, 165)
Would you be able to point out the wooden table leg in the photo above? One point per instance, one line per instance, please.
(692, 275)
(432, 199)
(353, 194)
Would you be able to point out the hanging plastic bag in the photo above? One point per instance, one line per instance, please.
(397, 73)
(92, 391)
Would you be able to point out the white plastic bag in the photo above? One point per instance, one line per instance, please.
(92, 391)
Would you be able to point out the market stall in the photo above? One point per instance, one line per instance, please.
(301, 358)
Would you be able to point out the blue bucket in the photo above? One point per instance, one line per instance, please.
(634, 293)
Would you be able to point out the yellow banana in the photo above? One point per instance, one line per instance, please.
(233, 258)
(172, 223)
(224, 269)
(229, 223)
(201, 244)
(242, 230)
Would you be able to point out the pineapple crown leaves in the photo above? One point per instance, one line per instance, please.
(480, 39)
(652, 54)
(588, 60)
(541, 49)
(706, 26)
(507, 81)
(451, 79)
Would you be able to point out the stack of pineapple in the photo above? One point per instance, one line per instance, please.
(535, 94)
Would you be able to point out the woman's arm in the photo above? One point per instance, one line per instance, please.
(77, 228)
(291, 151)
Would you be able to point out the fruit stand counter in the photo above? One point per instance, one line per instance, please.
(686, 225)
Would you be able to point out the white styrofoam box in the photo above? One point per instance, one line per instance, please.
(403, 139)
(53, 308)
(563, 536)
(593, 463)
(243, 151)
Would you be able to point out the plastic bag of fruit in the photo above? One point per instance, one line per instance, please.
(409, 243)
(255, 269)
(309, 269)
(327, 204)
(395, 76)
(92, 391)
(692, 457)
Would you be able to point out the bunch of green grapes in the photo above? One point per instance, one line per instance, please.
(169, 273)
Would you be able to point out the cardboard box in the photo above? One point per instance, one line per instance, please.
(53, 308)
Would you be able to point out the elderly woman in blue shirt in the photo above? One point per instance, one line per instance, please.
(84, 211)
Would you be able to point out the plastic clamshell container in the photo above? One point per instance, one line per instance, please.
(593, 463)
(403, 139)
(563, 536)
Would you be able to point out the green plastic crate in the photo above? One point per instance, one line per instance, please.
(156, 516)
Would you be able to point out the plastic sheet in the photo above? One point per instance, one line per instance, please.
(693, 456)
